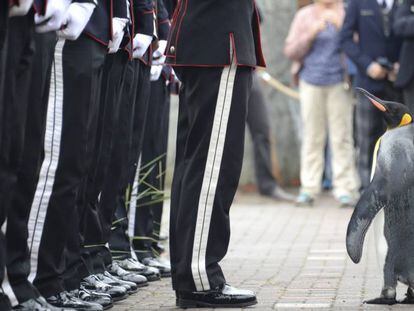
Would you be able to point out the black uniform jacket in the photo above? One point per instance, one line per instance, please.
(203, 31)
(404, 27)
(99, 27)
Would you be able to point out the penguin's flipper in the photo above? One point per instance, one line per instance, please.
(367, 207)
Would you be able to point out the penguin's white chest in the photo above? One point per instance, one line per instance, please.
(381, 244)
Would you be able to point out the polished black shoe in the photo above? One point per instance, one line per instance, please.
(225, 297)
(163, 267)
(129, 276)
(105, 300)
(130, 264)
(38, 304)
(93, 283)
(69, 301)
(131, 286)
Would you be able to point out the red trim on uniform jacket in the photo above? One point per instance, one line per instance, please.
(261, 61)
(236, 61)
(233, 44)
(173, 22)
(179, 25)
(95, 38)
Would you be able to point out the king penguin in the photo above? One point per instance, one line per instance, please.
(391, 195)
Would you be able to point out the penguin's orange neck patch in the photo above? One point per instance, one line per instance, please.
(406, 119)
(378, 105)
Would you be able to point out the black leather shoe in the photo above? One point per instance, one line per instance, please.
(68, 301)
(93, 283)
(130, 286)
(163, 267)
(105, 300)
(130, 264)
(38, 304)
(129, 276)
(225, 297)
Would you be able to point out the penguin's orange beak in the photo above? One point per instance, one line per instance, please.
(378, 105)
(374, 100)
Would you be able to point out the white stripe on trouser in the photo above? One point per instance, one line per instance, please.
(211, 176)
(51, 158)
(133, 207)
(133, 201)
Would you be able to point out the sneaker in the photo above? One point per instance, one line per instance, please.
(164, 268)
(122, 274)
(93, 283)
(346, 201)
(132, 265)
(304, 199)
(282, 195)
(66, 300)
(105, 300)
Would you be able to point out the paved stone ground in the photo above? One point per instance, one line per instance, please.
(294, 258)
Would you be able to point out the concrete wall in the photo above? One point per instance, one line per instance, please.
(283, 111)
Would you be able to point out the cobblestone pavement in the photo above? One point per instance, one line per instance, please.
(293, 258)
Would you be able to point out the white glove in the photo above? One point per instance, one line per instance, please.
(21, 9)
(155, 72)
(141, 43)
(77, 17)
(158, 57)
(118, 30)
(54, 16)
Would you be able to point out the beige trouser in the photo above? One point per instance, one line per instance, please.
(323, 110)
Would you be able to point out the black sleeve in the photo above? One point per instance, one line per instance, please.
(404, 20)
(120, 8)
(144, 16)
(349, 28)
(163, 21)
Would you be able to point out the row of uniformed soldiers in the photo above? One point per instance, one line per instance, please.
(76, 99)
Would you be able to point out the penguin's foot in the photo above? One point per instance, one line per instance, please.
(409, 297)
(381, 301)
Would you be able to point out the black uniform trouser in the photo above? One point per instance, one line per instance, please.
(107, 123)
(73, 103)
(210, 142)
(118, 169)
(19, 66)
(19, 260)
(4, 301)
(258, 122)
(147, 222)
(370, 126)
(124, 198)
(409, 95)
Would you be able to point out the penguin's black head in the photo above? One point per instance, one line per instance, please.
(395, 114)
